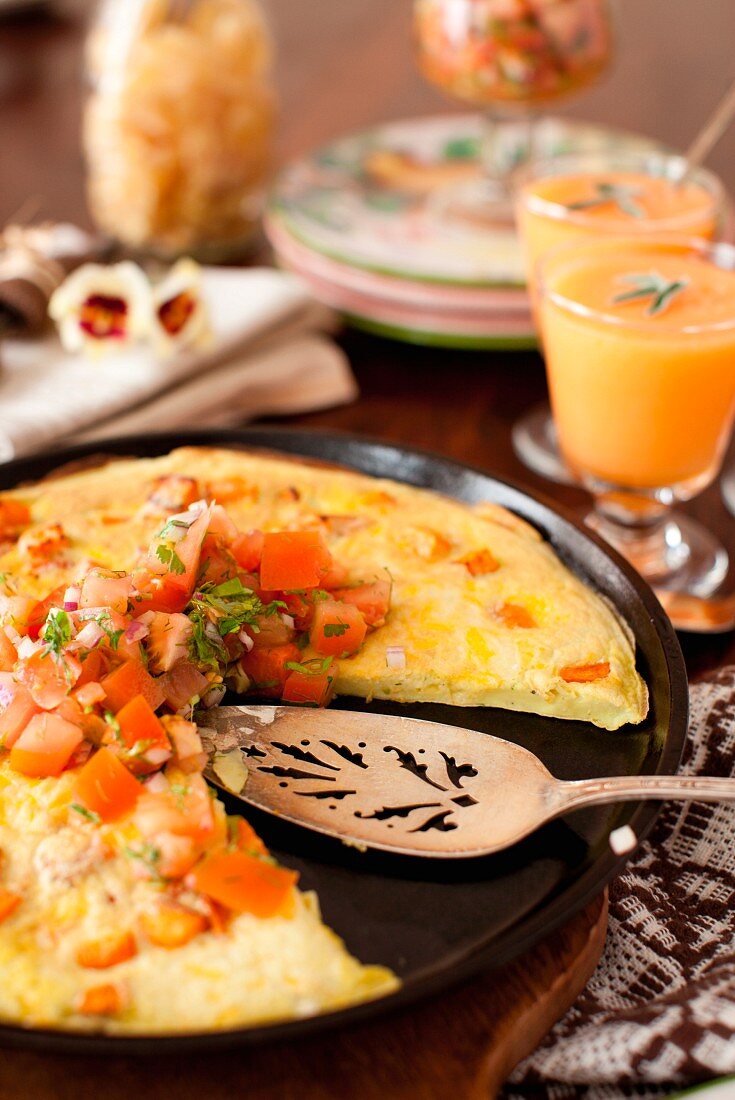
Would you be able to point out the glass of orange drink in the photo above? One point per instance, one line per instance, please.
(601, 194)
(639, 337)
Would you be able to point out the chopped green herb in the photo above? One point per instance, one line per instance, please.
(89, 814)
(654, 286)
(56, 632)
(225, 608)
(314, 667)
(104, 621)
(168, 556)
(335, 630)
(113, 723)
(171, 525)
(621, 194)
(148, 854)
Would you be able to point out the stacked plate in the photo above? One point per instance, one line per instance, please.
(378, 225)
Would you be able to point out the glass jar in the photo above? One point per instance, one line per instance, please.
(179, 124)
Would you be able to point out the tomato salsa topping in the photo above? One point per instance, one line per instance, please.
(103, 678)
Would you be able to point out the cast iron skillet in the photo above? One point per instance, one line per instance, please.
(435, 922)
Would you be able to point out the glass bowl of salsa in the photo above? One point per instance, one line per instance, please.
(511, 58)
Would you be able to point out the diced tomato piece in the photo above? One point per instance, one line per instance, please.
(338, 629)
(43, 542)
(313, 688)
(49, 678)
(9, 902)
(107, 951)
(89, 694)
(170, 925)
(16, 709)
(176, 854)
(168, 639)
(16, 611)
(103, 588)
(189, 754)
(266, 668)
(372, 599)
(514, 615)
(101, 1000)
(14, 516)
(94, 728)
(127, 681)
(38, 615)
(585, 674)
(8, 653)
(294, 559)
(138, 724)
(430, 545)
(245, 883)
(248, 550)
(227, 489)
(222, 525)
(153, 592)
(166, 581)
(480, 562)
(95, 665)
(244, 837)
(300, 607)
(174, 493)
(106, 787)
(188, 812)
(217, 563)
(270, 631)
(45, 746)
(335, 576)
(182, 683)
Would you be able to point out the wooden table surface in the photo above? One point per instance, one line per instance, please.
(344, 64)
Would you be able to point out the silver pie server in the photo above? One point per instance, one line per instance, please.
(406, 785)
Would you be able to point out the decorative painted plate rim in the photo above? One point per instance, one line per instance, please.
(277, 207)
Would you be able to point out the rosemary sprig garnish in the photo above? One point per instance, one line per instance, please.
(654, 286)
(621, 194)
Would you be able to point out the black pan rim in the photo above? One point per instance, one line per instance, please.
(520, 936)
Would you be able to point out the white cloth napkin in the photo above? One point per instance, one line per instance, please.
(269, 356)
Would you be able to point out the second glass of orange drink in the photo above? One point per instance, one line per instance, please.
(639, 338)
(591, 195)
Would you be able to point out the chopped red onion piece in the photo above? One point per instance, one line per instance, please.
(27, 648)
(157, 783)
(288, 620)
(395, 656)
(71, 598)
(246, 640)
(136, 631)
(90, 636)
(13, 634)
(157, 756)
(213, 697)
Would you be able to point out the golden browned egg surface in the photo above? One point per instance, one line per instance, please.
(483, 612)
(483, 609)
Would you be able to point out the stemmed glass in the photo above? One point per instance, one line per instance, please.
(635, 194)
(639, 338)
(510, 57)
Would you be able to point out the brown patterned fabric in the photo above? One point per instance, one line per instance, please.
(659, 1012)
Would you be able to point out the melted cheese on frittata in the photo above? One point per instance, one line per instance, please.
(449, 622)
(79, 882)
